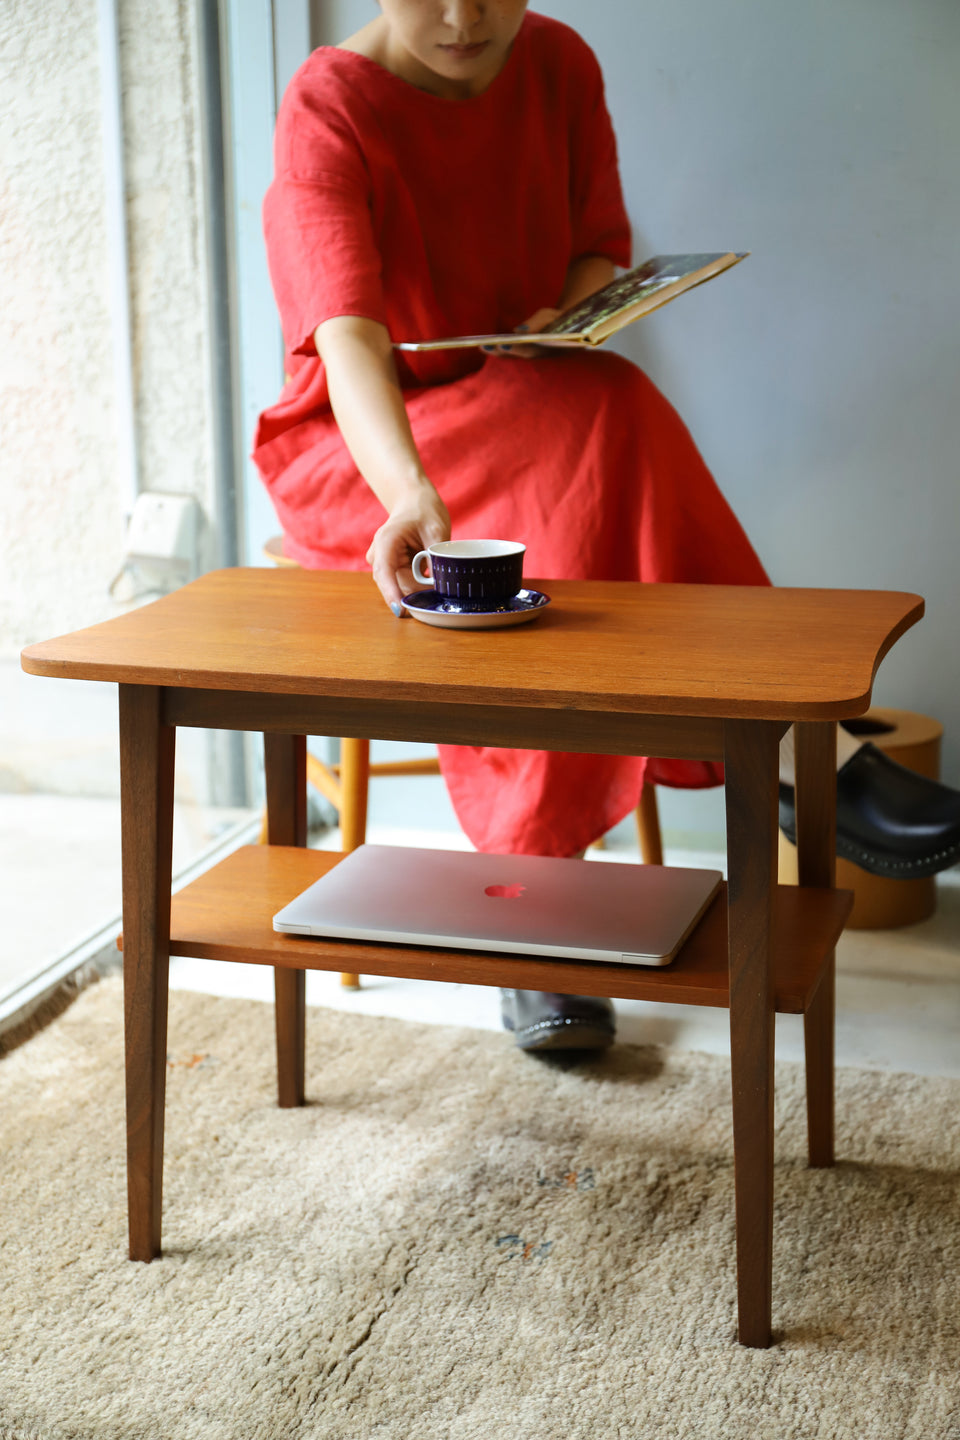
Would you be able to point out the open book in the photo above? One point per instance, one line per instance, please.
(602, 314)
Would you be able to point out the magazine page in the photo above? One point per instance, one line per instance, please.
(601, 314)
(466, 342)
(632, 289)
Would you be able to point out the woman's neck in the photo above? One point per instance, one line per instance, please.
(377, 42)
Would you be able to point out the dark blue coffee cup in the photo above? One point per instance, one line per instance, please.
(475, 574)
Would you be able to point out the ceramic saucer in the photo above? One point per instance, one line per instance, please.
(435, 609)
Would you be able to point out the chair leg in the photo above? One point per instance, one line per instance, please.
(355, 762)
(354, 783)
(354, 778)
(648, 827)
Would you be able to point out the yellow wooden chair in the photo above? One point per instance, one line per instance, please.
(345, 785)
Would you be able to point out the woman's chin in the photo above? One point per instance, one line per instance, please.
(465, 55)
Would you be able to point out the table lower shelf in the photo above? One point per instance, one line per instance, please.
(227, 914)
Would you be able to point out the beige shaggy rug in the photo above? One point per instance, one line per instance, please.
(456, 1240)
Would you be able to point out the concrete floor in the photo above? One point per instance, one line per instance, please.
(60, 887)
(60, 822)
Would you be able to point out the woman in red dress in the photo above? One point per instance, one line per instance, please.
(464, 193)
(451, 169)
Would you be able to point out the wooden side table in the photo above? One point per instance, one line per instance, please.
(704, 672)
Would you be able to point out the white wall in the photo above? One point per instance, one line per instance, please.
(61, 500)
(61, 527)
(822, 377)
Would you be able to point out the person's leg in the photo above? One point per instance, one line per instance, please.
(847, 747)
(545, 1020)
(541, 1020)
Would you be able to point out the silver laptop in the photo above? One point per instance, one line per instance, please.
(521, 904)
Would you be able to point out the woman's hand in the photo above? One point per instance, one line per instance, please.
(586, 275)
(414, 524)
(533, 326)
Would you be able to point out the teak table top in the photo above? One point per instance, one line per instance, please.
(697, 650)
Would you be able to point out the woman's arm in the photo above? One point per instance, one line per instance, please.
(367, 403)
(586, 275)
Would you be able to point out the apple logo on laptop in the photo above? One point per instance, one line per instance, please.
(505, 892)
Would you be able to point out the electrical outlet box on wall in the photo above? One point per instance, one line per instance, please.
(163, 542)
(164, 527)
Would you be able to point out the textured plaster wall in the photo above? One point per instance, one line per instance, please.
(61, 533)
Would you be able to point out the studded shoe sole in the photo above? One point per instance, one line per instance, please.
(539, 1020)
(891, 867)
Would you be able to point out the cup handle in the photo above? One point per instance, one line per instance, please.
(421, 555)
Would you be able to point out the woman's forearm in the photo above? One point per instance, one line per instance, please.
(367, 403)
(589, 273)
(586, 275)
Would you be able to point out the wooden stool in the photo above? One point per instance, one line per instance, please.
(346, 785)
(881, 903)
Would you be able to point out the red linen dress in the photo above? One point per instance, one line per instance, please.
(443, 217)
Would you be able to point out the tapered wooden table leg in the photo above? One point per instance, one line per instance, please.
(146, 807)
(285, 764)
(290, 1010)
(751, 761)
(816, 802)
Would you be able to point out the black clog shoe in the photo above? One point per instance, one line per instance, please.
(890, 820)
(541, 1020)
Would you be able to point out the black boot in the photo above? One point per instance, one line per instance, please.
(890, 820)
(541, 1020)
